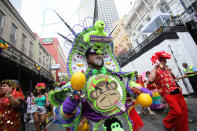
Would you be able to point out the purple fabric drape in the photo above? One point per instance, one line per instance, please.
(91, 114)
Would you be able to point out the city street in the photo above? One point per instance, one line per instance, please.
(87, 56)
(151, 122)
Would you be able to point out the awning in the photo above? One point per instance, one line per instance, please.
(155, 23)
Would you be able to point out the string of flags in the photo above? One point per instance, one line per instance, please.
(3, 45)
(37, 67)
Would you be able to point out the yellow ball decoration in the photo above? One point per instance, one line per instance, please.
(78, 81)
(85, 127)
(144, 100)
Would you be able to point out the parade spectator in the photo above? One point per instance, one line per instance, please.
(39, 109)
(30, 103)
(190, 72)
(138, 78)
(177, 117)
(11, 98)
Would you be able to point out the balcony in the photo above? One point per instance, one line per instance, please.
(162, 33)
(13, 54)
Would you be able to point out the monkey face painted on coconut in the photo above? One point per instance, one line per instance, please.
(105, 94)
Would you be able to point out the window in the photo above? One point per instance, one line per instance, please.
(165, 8)
(43, 60)
(191, 1)
(40, 55)
(1, 18)
(13, 34)
(1, 22)
(31, 50)
(47, 62)
(23, 40)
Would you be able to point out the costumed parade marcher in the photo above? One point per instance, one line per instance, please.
(11, 98)
(39, 109)
(177, 117)
(95, 98)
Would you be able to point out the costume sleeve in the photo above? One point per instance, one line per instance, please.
(18, 95)
(69, 112)
(156, 75)
(69, 120)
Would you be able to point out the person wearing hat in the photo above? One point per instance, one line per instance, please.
(10, 100)
(39, 109)
(94, 60)
(177, 117)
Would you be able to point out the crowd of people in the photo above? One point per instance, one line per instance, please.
(162, 83)
(14, 106)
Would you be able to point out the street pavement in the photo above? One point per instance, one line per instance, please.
(154, 122)
(151, 122)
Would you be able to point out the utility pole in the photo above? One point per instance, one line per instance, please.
(176, 63)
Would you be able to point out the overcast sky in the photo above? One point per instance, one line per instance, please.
(37, 13)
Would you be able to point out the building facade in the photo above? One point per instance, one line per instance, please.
(14, 30)
(53, 47)
(121, 39)
(107, 12)
(160, 25)
(21, 49)
(144, 12)
(191, 6)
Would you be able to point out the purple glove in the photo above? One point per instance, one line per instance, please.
(70, 105)
(145, 90)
